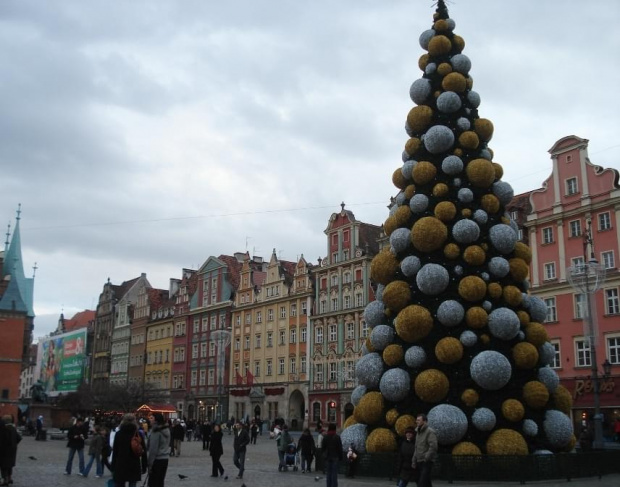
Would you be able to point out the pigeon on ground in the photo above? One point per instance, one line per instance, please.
(182, 477)
(226, 478)
(33, 458)
(317, 478)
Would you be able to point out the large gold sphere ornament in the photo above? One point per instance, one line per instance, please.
(452, 251)
(444, 69)
(391, 416)
(466, 448)
(409, 191)
(399, 180)
(476, 317)
(445, 211)
(423, 61)
(506, 442)
(439, 45)
(454, 82)
(381, 440)
(403, 422)
(459, 43)
(525, 355)
(449, 350)
(419, 118)
(393, 355)
(431, 385)
(499, 171)
(518, 269)
(428, 234)
(383, 267)
(513, 410)
(413, 323)
(370, 408)
(474, 255)
(440, 190)
(441, 25)
(490, 203)
(396, 295)
(469, 140)
(524, 317)
(484, 129)
(390, 225)
(350, 421)
(494, 290)
(512, 295)
(562, 399)
(522, 251)
(424, 172)
(412, 146)
(472, 288)
(402, 215)
(535, 394)
(536, 334)
(470, 397)
(481, 173)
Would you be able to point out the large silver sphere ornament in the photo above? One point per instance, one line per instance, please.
(448, 102)
(483, 419)
(499, 267)
(468, 338)
(369, 370)
(400, 239)
(357, 394)
(420, 90)
(450, 313)
(465, 231)
(404, 156)
(474, 99)
(530, 428)
(409, 130)
(503, 238)
(503, 191)
(465, 195)
(485, 276)
(410, 265)
(452, 165)
(365, 350)
(395, 385)
(549, 378)
(432, 279)
(438, 139)
(490, 370)
(374, 314)
(558, 428)
(546, 354)
(408, 168)
(504, 323)
(451, 24)
(448, 422)
(393, 209)
(460, 63)
(486, 154)
(415, 357)
(418, 203)
(430, 68)
(537, 309)
(379, 292)
(356, 434)
(481, 217)
(425, 38)
(463, 124)
(381, 336)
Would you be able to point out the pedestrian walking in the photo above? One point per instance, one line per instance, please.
(425, 451)
(404, 459)
(253, 432)
(242, 440)
(216, 450)
(282, 441)
(332, 453)
(94, 452)
(159, 451)
(9, 439)
(75, 443)
(39, 429)
(178, 435)
(127, 467)
(306, 447)
(205, 431)
(351, 461)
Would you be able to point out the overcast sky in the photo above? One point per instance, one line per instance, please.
(145, 136)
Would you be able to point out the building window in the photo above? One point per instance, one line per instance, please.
(547, 235)
(213, 322)
(203, 350)
(323, 306)
(604, 221)
(582, 353)
(318, 372)
(194, 378)
(334, 258)
(334, 279)
(359, 300)
(238, 320)
(575, 228)
(520, 234)
(571, 186)
(580, 306)
(211, 349)
(334, 304)
(211, 376)
(248, 318)
(613, 349)
(608, 259)
(304, 335)
(282, 312)
(346, 278)
(331, 413)
(270, 339)
(303, 364)
(318, 334)
(293, 335)
(257, 369)
(577, 264)
(203, 378)
(292, 366)
(269, 368)
(350, 330)
(612, 304)
(557, 362)
(195, 350)
(333, 333)
(304, 310)
(282, 340)
(246, 342)
(364, 329)
(552, 314)
(293, 310)
(549, 271)
(347, 302)
(256, 341)
(259, 317)
(333, 371)
(280, 366)
(270, 315)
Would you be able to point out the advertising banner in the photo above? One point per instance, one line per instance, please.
(61, 360)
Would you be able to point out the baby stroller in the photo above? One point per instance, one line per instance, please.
(291, 457)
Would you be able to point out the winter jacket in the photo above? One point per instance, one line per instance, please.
(332, 446)
(126, 466)
(178, 432)
(306, 445)
(425, 445)
(404, 460)
(96, 445)
(75, 437)
(284, 440)
(159, 443)
(242, 439)
(215, 448)
(9, 438)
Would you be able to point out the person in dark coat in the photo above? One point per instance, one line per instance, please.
(352, 455)
(205, 431)
(253, 432)
(9, 439)
(75, 443)
(126, 466)
(39, 429)
(332, 452)
(94, 452)
(406, 473)
(178, 435)
(216, 450)
(306, 447)
(159, 450)
(242, 440)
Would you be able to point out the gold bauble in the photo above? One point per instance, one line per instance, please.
(512, 295)
(499, 171)
(381, 440)
(535, 394)
(370, 408)
(485, 339)
(466, 448)
(409, 191)
(494, 290)
(428, 234)
(391, 416)
(451, 251)
(474, 255)
(439, 45)
(472, 288)
(481, 173)
(431, 385)
(490, 203)
(536, 334)
(522, 251)
(440, 190)
(413, 323)
(412, 146)
(506, 442)
(423, 61)
(470, 397)
(399, 180)
(445, 211)
(441, 25)
(444, 68)
(402, 215)
(469, 140)
(458, 152)
(562, 399)
(449, 350)
(393, 355)
(403, 422)
(476, 317)
(466, 212)
(389, 225)
(459, 43)
(454, 82)
(383, 267)
(518, 269)
(524, 317)
(484, 129)
(419, 118)
(513, 410)
(525, 355)
(424, 172)
(396, 295)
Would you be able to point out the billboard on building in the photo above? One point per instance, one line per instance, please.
(61, 361)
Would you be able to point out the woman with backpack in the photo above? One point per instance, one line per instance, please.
(128, 462)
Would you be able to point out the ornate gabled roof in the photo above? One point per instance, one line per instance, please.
(234, 269)
(368, 238)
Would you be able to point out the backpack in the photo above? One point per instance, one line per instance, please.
(136, 445)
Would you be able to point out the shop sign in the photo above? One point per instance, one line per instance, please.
(586, 386)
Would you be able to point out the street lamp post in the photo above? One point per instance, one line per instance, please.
(588, 278)
(222, 339)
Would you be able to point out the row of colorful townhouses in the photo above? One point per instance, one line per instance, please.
(246, 337)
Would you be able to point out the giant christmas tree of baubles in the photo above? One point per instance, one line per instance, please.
(455, 333)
